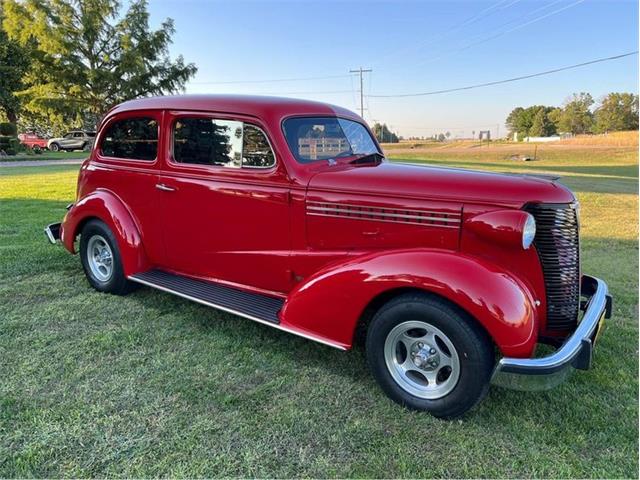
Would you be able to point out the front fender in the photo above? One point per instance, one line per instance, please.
(331, 302)
(106, 206)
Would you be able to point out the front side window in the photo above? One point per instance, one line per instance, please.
(323, 138)
(131, 138)
(224, 143)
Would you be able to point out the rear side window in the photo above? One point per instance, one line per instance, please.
(256, 151)
(223, 143)
(131, 138)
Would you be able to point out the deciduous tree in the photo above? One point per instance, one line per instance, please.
(88, 56)
(383, 134)
(531, 121)
(617, 111)
(576, 114)
(14, 63)
(542, 126)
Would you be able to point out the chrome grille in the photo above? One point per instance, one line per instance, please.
(558, 244)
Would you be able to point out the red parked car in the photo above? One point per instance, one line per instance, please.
(33, 141)
(287, 213)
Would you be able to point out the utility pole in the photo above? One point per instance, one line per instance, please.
(361, 71)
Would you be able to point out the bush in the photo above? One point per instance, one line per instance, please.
(8, 129)
(10, 145)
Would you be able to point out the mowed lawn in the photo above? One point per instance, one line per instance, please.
(152, 385)
(46, 155)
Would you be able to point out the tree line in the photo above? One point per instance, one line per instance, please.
(578, 115)
(384, 134)
(65, 63)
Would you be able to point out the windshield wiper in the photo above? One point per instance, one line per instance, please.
(368, 158)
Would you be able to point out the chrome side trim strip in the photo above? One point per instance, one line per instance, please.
(316, 203)
(234, 312)
(421, 224)
(381, 214)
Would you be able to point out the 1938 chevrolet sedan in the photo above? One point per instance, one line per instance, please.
(286, 212)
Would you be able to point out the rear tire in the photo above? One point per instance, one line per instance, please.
(101, 260)
(427, 354)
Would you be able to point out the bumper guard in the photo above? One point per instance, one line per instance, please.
(53, 232)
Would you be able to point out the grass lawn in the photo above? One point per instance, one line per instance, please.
(153, 385)
(46, 155)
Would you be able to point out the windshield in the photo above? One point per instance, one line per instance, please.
(322, 138)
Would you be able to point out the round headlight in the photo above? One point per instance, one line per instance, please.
(528, 232)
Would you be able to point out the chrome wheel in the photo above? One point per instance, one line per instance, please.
(422, 359)
(100, 258)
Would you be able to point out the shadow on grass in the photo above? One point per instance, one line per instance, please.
(14, 171)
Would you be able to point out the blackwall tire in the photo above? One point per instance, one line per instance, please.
(429, 355)
(54, 147)
(101, 260)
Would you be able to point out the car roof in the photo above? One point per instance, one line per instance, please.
(257, 106)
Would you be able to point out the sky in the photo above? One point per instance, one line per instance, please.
(411, 46)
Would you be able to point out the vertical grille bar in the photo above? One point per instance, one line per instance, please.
(558, 244)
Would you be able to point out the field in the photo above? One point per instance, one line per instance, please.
(152, 385)
(46, 155)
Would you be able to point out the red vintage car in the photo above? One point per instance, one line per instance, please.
(286, 212)
(33, 141)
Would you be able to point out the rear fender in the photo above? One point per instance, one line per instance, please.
(106, 206)
(331, 302)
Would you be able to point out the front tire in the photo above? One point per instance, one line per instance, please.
(101, 260)
(427, 354)
(54, 147)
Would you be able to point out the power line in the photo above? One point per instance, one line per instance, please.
(230, 82)
(508, 80)
(440, 36)
(500, 34)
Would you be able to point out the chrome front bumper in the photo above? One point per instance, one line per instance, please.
(576, 352)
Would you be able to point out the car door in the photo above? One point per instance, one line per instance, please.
(78, 140)
(66, 141)
(126, 163)
(226, 202)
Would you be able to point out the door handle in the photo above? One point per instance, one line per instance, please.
(165, 188)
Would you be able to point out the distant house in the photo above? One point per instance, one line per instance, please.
(324, 146)
(553, 138)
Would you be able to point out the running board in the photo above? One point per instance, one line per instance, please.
(254, 306)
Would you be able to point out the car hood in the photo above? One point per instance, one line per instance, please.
(438, 183)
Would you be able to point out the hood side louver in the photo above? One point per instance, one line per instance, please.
(384, 214)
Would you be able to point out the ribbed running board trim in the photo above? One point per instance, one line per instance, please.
(254, 306)
(247, 304)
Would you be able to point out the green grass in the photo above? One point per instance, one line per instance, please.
(46, 155)
(152, 385)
